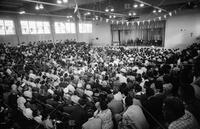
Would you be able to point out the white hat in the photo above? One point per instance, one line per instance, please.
(123, 70)
(88, 92)
(88, 86)
(50, 91)
(69, 88)
(28, 94)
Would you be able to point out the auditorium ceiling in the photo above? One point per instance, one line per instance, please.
(122, 8)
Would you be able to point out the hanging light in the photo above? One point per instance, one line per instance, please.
(96, 17)
(70, 16)
(117, 22)
(109, 9)
(159, 10)
(37, 7)
(159, 18)
(154, 11)
(170, 13)
(114, 16)
(59, 1)
(41, 6)
(22, 12)
(141, 5)
(87, 13)
(131, 13)
(65, 1)
(112, 9)
(135, 5)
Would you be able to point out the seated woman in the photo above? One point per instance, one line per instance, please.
(105, 115)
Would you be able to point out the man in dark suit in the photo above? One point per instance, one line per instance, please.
(78, 115)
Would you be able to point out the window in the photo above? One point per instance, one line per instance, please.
(32, 27)
(46, 27)
(70, 27)
(24, 27)
(7, 27)
(64, 27)
(2, 28)
(35, 27)
(40, 28)
(85, 28)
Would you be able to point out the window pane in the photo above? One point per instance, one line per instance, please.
(57, 27)
(68, 27)
(85, 28)
(40, 29)
(46, 27)
(32, 27)
(80, 28)
(60, 27)
(89, 28)
(9, 27)
(2, 29)
(73, 28)
(24, 27)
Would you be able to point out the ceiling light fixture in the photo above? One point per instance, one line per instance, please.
(41, 6)
(70, 16)
(109, 9)
(65, 1)
(132, 13)
(159, 10)
(59, 1)
(154, 11)
(141, 5)
(22, 12)
(135, 5)
(37, 7)
(170, 13)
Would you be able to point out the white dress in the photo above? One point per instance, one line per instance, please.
(106, 118)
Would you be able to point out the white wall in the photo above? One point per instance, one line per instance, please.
(101, 35)
(102, 31)
(182, 29)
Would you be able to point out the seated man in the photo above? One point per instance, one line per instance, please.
(134, 115)
(176, 115)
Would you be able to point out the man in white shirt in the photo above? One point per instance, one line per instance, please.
(134, 115)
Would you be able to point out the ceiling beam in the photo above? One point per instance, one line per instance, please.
(148, 4)
(64, 6)
(46, 15)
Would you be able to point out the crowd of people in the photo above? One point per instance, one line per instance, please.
(141, 42)
(72, 85)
